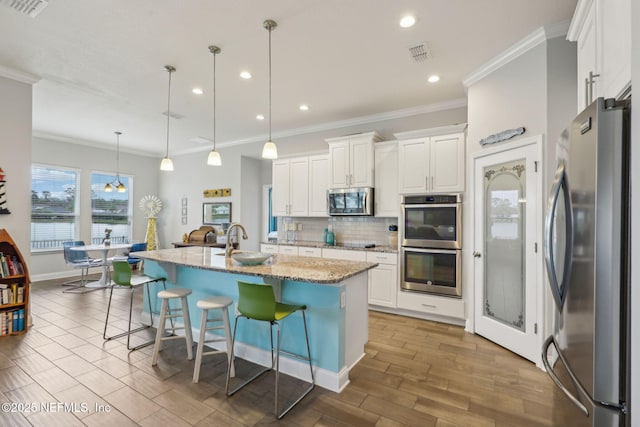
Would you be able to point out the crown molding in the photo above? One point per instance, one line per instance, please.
(422, 133)
(19, 76)
(373, 118)
(579, 18)
(537, 37)
(93, 144)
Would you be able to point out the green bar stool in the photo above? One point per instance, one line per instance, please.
(221, 305)
(258, 302)
(166, 312)
(122, 279)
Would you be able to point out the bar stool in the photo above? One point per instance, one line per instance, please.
(213, 303)
(166, 312)
(258, 302)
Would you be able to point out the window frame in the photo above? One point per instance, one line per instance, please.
(76, 209)
(130, 218)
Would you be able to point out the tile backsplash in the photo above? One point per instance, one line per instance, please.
(348, 230)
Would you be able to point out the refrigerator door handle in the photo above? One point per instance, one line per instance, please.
(559, 185)
(619, 407)
(554, 377)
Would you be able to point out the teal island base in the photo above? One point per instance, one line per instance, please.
(337, 318)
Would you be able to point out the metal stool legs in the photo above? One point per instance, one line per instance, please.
(275, 362)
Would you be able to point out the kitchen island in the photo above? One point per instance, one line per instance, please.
(335, 292)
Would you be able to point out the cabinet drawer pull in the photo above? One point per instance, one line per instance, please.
(430, 306)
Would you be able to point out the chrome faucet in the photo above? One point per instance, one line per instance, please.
(229, 247)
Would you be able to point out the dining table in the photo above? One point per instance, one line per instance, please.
(103, 250)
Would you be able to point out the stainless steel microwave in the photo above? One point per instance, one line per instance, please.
(350, 201)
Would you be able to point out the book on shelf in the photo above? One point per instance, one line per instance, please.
(5, 266)
(21, 319)
(18, 265)
(6, 296)
(20, 294)
(11, 267)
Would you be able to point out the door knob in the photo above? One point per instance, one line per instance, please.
(477, 254)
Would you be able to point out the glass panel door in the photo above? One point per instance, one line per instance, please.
(505, 199)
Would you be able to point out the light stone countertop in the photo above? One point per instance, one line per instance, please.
(311, 244)
(283, 267)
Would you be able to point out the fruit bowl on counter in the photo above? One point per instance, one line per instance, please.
(250, 258)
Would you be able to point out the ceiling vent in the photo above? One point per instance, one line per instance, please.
(420, 52)
(28, 7)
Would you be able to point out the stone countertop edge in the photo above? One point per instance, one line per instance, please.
(310, 244)
(282, 267)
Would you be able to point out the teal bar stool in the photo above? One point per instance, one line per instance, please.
(258, 302)
(122, 279)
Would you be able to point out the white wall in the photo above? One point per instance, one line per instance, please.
(47, 265)
(251, 201)
(15, 160)
(535, 90)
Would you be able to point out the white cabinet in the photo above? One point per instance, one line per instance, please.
(387, 201)
(602, 30)
(268, 249)
(383, 280)
(431, 163)
(431, 304)
(345, 254)
(351, 160)
(318, 184)
(308, 251)
(287, 250)
(290, 183)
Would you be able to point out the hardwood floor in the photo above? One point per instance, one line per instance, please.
(415, 373)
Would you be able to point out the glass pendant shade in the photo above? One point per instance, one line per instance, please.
(214, 158)
(270, 151)
(166, 165)
(109, 186)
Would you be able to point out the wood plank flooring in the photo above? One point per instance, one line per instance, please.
(415, 373)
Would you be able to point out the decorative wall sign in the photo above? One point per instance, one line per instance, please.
(3, 195)
(502, 136)
(184, 210)
(218, 192)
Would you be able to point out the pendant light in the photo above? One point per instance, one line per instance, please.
(167, 164)
(214, 156)
(120, 188)
(269, 151)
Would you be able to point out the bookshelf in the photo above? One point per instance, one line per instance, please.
(14, 288)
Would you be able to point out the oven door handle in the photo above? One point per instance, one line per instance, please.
(429, 251)
(435, 205)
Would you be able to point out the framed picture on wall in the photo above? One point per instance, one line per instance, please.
(216, 213)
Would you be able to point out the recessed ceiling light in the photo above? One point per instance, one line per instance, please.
(303, 107)
(433, 78)
(197, 91)
(407, 21)
(245, 75)
(260, 117)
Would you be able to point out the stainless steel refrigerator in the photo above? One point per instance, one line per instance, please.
(587, 261)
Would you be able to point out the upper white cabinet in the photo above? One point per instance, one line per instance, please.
(387, 201)
(602, 30)
(318, 184)
(431, 160)
(351, 160)
(290, 187)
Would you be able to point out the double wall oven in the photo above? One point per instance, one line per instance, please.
(431, 244)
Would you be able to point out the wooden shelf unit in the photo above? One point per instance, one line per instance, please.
(9, 248)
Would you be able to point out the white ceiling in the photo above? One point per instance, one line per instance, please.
(101, 62)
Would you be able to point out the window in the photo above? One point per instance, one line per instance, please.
(54, 206)
(110, 210)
